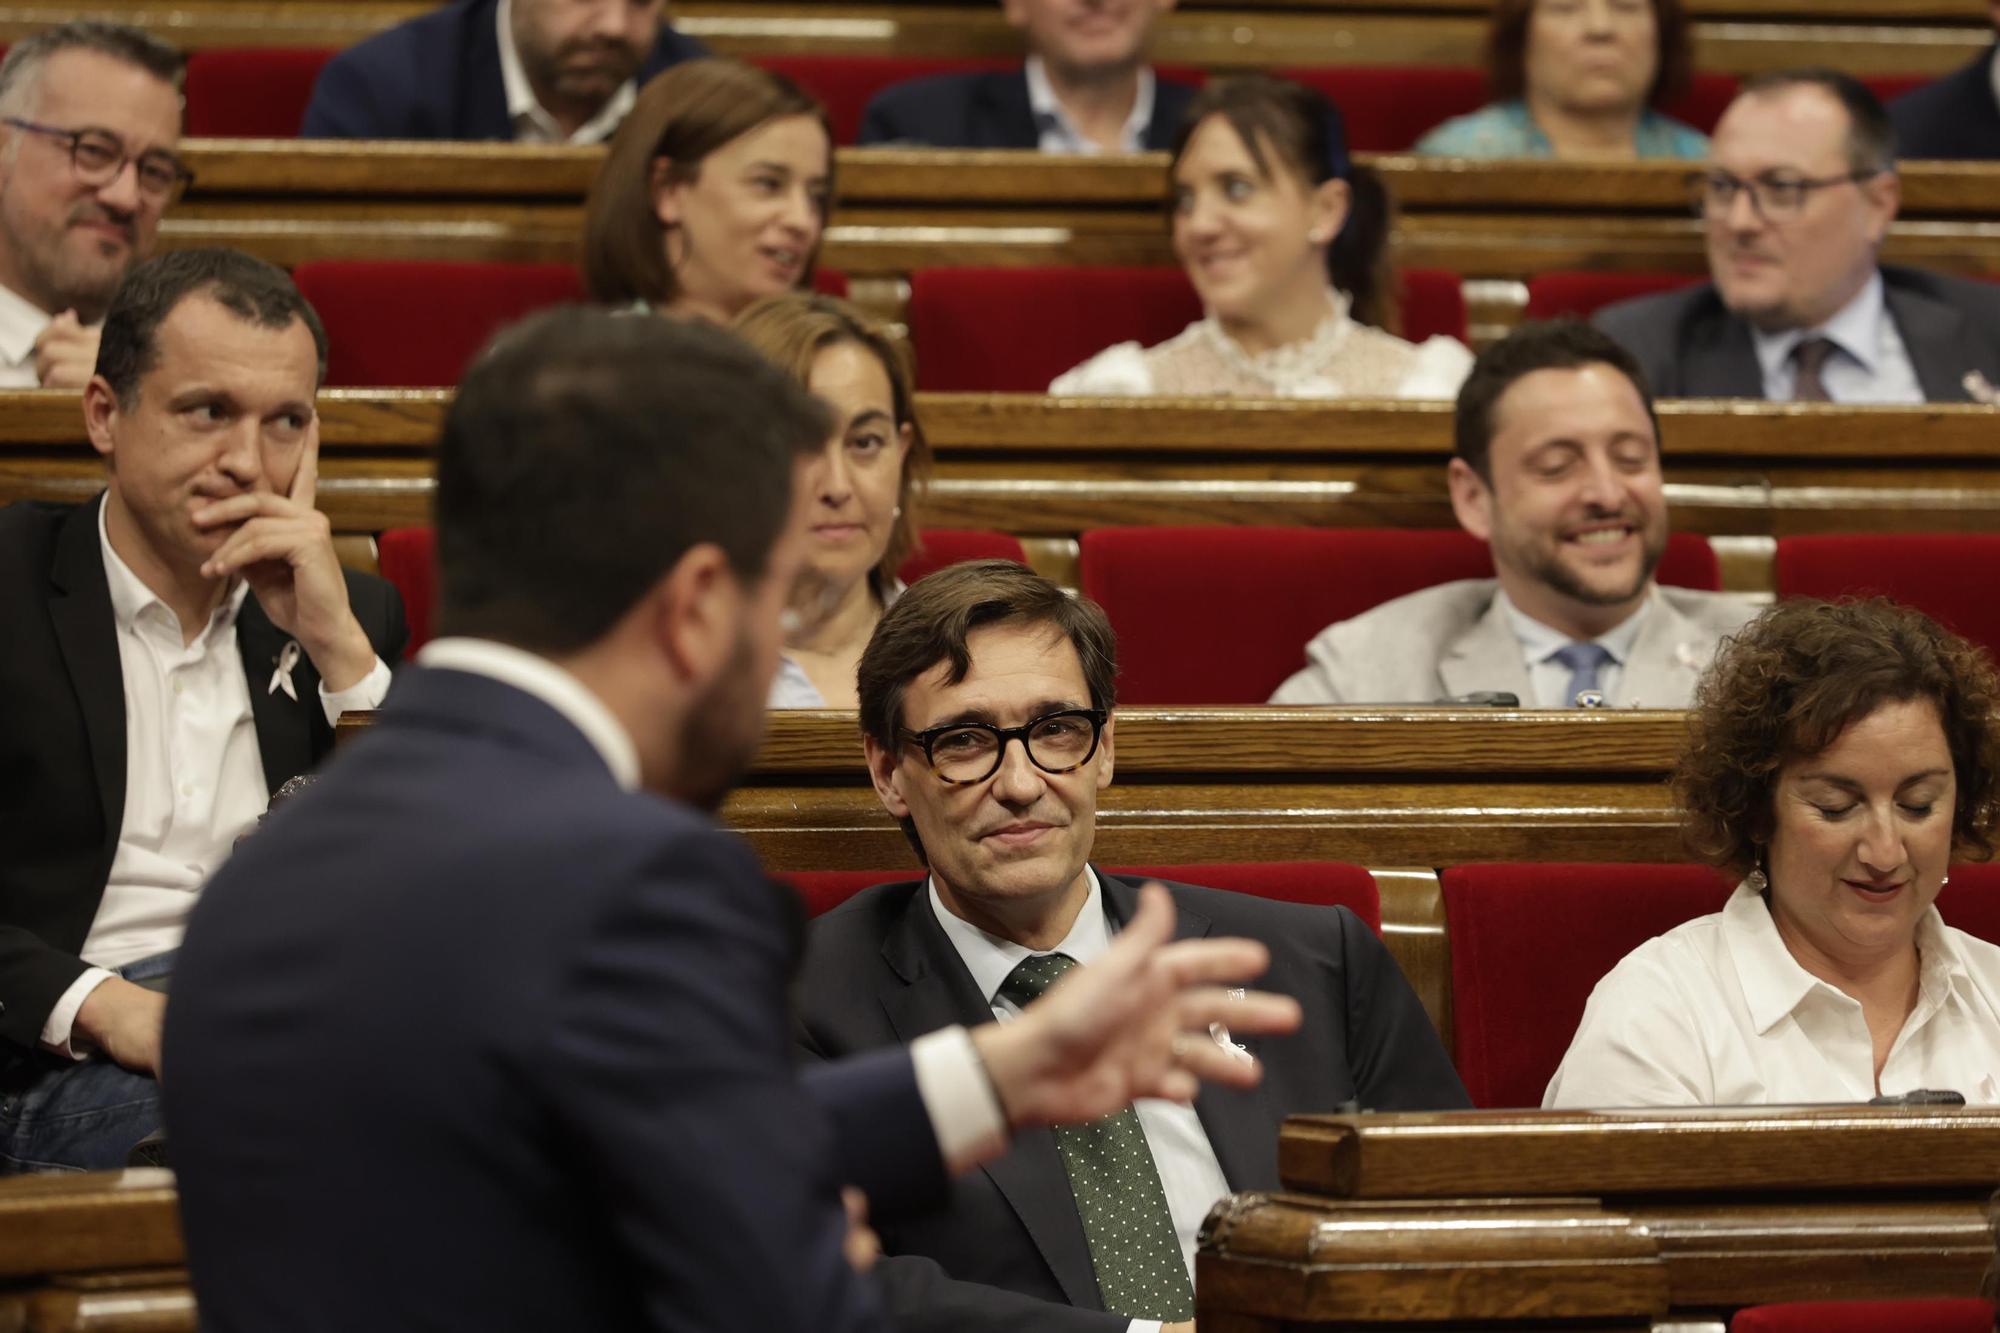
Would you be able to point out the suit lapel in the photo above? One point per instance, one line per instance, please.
(482, 108)
(1002, 117)
(1486, 656)
(1721, 361)
(80, 609)
(1934, 336)
(1667, 659)
(928, 988)
(284, 724)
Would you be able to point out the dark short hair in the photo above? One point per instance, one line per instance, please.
(1791, 681)
(586, 452)
(1871, 138)
(252, 290)
(683, 114)
(1507, 50)
(25, 58)
(1554, 344)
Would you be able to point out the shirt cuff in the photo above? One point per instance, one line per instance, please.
(959, 1097)
(1143, 1326)
(57, 1030)
(366, 693)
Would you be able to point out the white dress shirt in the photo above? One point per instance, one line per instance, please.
(531, 121)
(1540, 644)
(1717, 1012)
(1869, 363)
(194, 777)
(21, 322)
(1059, 134)
(962, 1104)
(1189, 1172)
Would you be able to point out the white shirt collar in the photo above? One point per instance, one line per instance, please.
(990, 959)
(1050, 116)
(535, 675)
(1774, 984)
(1856, 329)
(21, 322)
(531, 121)
(1539, 642)
(130, 596)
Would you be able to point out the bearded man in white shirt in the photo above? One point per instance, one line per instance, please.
(90, 115)
(180, 646)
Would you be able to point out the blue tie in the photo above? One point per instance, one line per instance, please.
(1584, 661)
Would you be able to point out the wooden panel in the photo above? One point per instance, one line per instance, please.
(78, 1224)
(1413, 928)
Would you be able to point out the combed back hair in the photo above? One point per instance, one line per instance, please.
(1552, 344)
(20, 72)
(1871, 139)
(792, 329)
(586, 452)
(930, 623)
(683, 114)
(247, 287)
(1791, 681)
(1303, 131)
(1507, 50)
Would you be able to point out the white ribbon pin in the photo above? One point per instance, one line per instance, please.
(281, 679)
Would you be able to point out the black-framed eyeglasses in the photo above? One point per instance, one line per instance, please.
(1773, 198)
(965, 752)
(97, 156)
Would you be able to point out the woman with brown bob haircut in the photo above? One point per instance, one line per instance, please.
(1839, 757)
(714, 193)
(865, 486)
(1579, 79)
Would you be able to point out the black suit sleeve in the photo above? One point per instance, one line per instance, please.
(1394, 1053)
(36, 976)
(346, 101)
(878, 122)
(379, 609)
(923, 1298)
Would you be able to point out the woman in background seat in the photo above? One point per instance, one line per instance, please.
(1839, 757)
(714, 194)
(1283, 240)
(864, 519)
(1579, 79)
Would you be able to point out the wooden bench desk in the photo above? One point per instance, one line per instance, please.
(97, 1253)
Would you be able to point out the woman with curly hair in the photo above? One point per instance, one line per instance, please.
(1840, 756)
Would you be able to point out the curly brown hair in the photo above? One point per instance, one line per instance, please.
(1791, 681)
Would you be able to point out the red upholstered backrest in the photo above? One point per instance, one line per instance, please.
(1584, 294)
(415, 324)
(1707, 97)
(1888, 87)
(1433, 304)
(407, 558)
(845, 84)
(1387, 108)
(938, 547)
(1012, 330)
(1529, 942)
(1971, 901)
(1326, 883)
(251, 92)
(1265, 591)
(1949, 576)
(1936, 1316)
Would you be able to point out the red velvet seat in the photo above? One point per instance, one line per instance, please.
(1938, 1316)
(1551, 295)
(1707, 97)
(416, 324)
(1433, 304)
(1971, 901)
(407, 558)
(1387, 108)
(251, 92)
(1265, 591)
(1948, 576)
(1326, 883)
(1529, 942)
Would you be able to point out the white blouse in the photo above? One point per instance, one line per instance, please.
(1342, 359)
(1717, 1012)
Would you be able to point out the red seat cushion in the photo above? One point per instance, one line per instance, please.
(1551, 295)
(1948, 576)
(251, 92)
(416, 324)
(1387, 108)
(1707, 97)
(1326, 883)
(1937, 1316)
(938, 547)
(1433, 304)
(1971, 901)
(1516, 1000)
(407, 558)
(845, 84)
(1265, 591)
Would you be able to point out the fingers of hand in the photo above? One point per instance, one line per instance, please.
(242, 508)
(1195, 962)
(258, 541)
(1204, 1058)
(1242, 1012)
(305, 482)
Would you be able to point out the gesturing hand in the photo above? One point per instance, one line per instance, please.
(283, 547)
(1133, 1024)
(66, 353)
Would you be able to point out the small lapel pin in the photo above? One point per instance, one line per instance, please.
(1690, 656)
(1979, 390)
(281, 679)
(1221, 1033)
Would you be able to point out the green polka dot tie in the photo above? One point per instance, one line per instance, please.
(1140, 1271)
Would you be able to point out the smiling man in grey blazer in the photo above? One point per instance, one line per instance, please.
(1558, 470)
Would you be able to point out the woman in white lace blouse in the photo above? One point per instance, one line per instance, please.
(1266, 222)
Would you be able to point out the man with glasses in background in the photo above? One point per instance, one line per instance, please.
(986, 696)
(90, 115)
(1799, 190)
